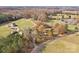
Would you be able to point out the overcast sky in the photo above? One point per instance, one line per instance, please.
(39, 2)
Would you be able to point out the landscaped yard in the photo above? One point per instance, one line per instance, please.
(22, 23)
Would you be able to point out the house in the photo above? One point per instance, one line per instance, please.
(14, 28)
(70, 21)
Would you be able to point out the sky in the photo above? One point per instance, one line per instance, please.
(39, 2)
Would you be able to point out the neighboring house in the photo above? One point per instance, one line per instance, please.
(70, 21)
(14, 28)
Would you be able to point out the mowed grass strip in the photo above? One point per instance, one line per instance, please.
(22, 23)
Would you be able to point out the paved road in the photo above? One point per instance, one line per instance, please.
(38, 48)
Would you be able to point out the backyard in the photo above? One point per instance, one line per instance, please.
(22, 23)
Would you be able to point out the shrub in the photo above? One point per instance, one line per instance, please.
(13, 43)
(16, 43)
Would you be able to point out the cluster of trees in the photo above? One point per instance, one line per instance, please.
(7, 18)
(42, 14)
(16, 43)
(35, 13)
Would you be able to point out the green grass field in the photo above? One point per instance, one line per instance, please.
(22, 23)
(69, 43)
